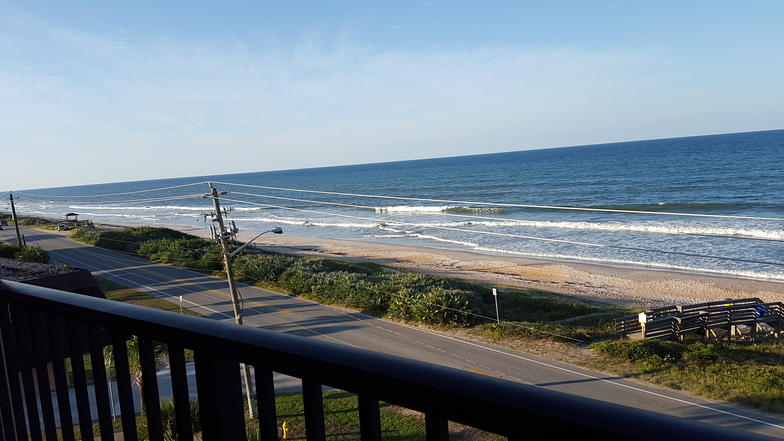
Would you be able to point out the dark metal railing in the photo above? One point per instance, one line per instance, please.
(41, 327)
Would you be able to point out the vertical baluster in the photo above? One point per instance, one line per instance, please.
(265, 400)
(39, 344)
(151, 396)
(20, 321)
(313, 399)
(13, 417)
(97, 338)
(77, 345)
(7, 424)
(59, 344)
(124, 390)
(180, 391)
(369, 419)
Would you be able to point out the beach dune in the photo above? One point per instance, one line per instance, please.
(643, 288)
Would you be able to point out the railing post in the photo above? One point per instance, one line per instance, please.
(220, 397)
(13, 417)
(124, 391)
(313, 401)
(369, 419)
(265, 403)
(150, 396)
(42, 358)
(21, 319)
(179, 384)
(59, 344)
(76, 336)
(100, 385)
(436, 428)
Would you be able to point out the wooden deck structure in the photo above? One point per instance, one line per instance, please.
(717, 321)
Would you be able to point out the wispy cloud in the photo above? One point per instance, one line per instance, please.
(157, 95)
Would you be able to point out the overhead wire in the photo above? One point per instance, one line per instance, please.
(517, 236)
(111, 194)
(499, 204)
(466, 216)
(125, 201)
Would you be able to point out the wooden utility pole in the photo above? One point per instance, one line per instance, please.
(223, 237)
(16, 222)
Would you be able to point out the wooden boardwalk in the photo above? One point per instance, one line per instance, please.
(714, 321)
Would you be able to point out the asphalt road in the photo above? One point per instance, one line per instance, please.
(209, 296)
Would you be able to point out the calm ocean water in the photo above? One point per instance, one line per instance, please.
(495, 203)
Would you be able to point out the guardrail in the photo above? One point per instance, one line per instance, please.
(41, 326)
(713, 320)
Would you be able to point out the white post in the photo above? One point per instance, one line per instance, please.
(180, 304)
(497, 317)
(111, 394)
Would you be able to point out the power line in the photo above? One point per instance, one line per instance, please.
(112, 194)
(125, 201)
(547, 207)
(519, 236)
(474, 216)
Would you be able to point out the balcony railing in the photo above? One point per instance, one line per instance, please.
(41, 326)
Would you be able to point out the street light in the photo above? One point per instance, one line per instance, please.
(276, 230)
(235, 302)
(223, 237)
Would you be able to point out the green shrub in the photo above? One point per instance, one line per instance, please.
(642, 350)
(169, 421)
(354, 290)
(263, 267)
(297, 282)
(130, 239)
(32, 254)
(193, 252)
(439, 306)
(700, 354)
(89, 236)
(8, 250)
(33, 221)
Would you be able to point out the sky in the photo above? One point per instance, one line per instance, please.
(95, 92)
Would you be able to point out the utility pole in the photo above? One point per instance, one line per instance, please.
(223, 237)
(16, 222)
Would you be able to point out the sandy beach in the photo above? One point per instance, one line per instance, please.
(642, 288)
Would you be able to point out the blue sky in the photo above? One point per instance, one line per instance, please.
(94, 92)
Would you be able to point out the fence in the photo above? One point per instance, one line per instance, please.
(41, 326)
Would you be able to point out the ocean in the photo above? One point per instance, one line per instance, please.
(707, 204)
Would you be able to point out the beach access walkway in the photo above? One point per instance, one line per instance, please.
(740, 319)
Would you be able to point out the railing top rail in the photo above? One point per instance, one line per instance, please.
(479, 401)
(727, 302)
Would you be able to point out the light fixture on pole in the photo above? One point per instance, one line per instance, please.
(276, 230)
